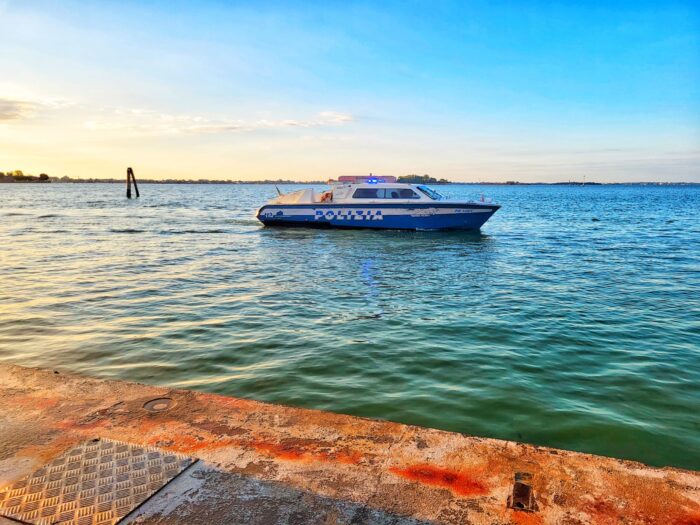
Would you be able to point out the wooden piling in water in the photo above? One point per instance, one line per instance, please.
(129, 178)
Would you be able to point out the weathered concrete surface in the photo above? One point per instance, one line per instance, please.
(263, 463)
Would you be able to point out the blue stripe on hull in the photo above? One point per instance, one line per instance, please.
(387, 205)
(451, 221)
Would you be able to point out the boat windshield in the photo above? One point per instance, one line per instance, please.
(431, 193)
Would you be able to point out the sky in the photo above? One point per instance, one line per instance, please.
(468, 91)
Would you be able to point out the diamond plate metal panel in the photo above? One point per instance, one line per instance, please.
(96, 483)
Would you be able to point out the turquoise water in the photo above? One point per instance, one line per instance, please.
(572, 320)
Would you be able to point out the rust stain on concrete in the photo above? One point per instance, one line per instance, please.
(458, 482)
(36, 402)
(336, 467)
(689, 520)
(525, 518)
(43, 452)
(305, 451)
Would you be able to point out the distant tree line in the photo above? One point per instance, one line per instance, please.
(421, 179)
(19, 176)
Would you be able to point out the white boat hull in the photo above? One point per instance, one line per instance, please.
(403, 216)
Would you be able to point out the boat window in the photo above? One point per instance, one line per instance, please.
(385, 193)
(367, 193)
(431, 193)
(407, 193)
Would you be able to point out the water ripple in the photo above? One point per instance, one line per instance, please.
(570, 321)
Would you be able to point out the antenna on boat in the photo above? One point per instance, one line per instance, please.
(278, 190)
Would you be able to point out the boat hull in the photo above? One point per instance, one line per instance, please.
(433, 216)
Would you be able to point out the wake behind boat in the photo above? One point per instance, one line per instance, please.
(375, 202)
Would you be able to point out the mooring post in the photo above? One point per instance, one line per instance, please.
(129, 178)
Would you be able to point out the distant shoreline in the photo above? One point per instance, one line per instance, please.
(311, 183)
(45, 179)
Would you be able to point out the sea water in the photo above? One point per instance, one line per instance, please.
(572, 320)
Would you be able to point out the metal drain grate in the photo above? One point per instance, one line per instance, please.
(97, 482)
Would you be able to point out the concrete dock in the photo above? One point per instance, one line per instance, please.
(247, 462)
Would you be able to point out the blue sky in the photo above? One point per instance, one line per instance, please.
(470, 91)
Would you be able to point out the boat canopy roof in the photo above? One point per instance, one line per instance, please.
(306, 196)
(353, 192)
(371, 179)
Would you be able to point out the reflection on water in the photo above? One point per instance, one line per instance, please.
(372, 293)
(570, 321)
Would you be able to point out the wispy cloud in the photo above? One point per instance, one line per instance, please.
(147, 121)
(15, 109)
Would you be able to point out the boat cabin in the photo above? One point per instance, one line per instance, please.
(356, 189)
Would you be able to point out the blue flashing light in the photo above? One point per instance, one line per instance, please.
(372, 181)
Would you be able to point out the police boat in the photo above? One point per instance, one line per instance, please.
(375, 202)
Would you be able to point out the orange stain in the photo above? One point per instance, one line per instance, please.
(689, 520)
(280, 451)
(179, 441)
(46, 452)
(228, 402)
(46, 403)
(457, 482)
(80, 426)
(605, 512)
(35, 402)
(183, 438)
(350, 458)
(188, 444)
(526, 518)
(306, 452)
